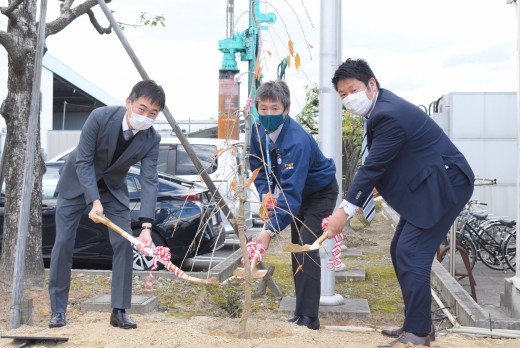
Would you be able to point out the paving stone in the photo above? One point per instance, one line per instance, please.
(351, 274)
(336, 315)
(101, 303)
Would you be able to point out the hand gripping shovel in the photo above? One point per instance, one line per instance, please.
(297, 248)
(149, 252)
(255, 273)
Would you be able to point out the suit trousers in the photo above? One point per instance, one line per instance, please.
(413, 249)
(305, 229)
(68, 215)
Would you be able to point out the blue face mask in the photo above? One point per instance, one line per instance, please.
(271, 122)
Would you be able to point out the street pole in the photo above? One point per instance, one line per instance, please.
(330, 123)
(517, 8)
(28, 175)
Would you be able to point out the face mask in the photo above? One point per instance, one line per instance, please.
(140, 122)
(271, 122)
(357, 103)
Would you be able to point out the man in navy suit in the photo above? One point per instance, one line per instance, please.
(419, 172)
(94, 175)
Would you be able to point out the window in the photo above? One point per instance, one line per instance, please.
(174, 160)
(50, 181)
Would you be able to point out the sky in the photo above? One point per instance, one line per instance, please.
(420, 50)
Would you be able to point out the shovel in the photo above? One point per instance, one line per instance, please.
(297, 248)
(149, 252)
(255, 273)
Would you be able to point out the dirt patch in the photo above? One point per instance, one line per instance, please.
(199, 316)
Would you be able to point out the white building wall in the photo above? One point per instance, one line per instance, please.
(46, 89)
(483, 126)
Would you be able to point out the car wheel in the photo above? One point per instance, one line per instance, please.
(145, 263)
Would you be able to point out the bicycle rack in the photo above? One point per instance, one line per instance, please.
(465, 258)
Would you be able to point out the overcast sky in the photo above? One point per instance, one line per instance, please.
(420, 50)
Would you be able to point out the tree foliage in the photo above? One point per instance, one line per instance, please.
(352, 132)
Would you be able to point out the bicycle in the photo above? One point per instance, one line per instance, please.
(510, 250)
(488, 237)
(492, 240)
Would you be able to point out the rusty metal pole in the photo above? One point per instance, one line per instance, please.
(28, 177)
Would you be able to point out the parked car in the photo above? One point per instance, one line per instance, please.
(219, 158)
(185, 221)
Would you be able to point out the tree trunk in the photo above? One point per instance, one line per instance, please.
(350, 160)
(16, 111)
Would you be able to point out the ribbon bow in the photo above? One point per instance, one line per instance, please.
(164, 254)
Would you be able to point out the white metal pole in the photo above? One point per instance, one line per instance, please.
(329, 124)
(517, 9)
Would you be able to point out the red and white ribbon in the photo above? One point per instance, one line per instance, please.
(164, 254)
(254, 248)
(334, 261)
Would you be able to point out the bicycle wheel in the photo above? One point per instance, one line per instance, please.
(510, 251)
(468, 245)
(490, 246)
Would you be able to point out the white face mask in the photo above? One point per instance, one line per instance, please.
(139, 122)
(357, 103)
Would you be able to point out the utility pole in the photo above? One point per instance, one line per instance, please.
(330, 123)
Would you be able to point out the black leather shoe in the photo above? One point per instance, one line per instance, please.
(312, 323)
(396, 332)
(294, 319)
(122, 320)
(57, 320)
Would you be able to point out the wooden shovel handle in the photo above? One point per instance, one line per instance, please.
(149, 252)
(321, 239)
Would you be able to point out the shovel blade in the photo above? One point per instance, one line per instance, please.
(297, 248)
(256, 273)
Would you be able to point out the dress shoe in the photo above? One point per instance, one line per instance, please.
(408, 338)
(294, 319)
(396, 332)
(57, 320)
(122, 320)
(312, 323)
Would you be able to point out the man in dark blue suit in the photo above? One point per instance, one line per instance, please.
(419, 172)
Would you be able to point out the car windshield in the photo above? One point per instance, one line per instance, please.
(175, 159)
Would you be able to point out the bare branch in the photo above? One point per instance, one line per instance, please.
(8, 11)
(96, 24)
(7, 41)
(67, 15)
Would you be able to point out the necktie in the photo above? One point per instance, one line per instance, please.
(369, 207)
(128, 134)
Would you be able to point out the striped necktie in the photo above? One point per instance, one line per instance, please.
(369, 207)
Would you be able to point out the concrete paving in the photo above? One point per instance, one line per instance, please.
(337, 315)
(101, 303)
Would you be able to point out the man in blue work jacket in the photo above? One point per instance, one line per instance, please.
(304, 181)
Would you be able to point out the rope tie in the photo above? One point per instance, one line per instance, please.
(164, 254)
(335, 259)
(254, 248)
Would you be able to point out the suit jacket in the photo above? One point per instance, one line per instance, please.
(92, 160)
(407, 162)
